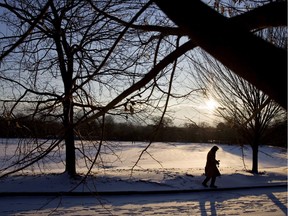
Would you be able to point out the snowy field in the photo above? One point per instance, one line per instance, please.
(165, 170)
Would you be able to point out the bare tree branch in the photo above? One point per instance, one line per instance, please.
(244, 53)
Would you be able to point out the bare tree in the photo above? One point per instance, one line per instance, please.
(87, 59)
(241, 104)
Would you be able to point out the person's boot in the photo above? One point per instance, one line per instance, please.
(212, 184)
(204, 184)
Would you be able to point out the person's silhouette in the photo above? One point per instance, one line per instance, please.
(211, 170)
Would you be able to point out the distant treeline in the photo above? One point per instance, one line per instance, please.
(222, 133)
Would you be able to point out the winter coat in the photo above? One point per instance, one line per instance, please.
(211, 169)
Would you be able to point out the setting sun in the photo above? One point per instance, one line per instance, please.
(211, 104)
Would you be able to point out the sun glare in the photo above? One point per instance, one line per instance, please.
(211, 104)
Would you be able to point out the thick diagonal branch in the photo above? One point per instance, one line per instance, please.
(252, 58)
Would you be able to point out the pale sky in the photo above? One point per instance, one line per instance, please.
(198, 113)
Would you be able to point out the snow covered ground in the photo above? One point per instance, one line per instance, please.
(167, 167)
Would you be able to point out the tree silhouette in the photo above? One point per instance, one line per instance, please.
(76, 61)
(242, 105)
(61, 58)
(230, 41)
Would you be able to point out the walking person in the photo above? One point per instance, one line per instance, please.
(211, 170)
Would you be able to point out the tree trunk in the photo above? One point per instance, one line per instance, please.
(255, 147)
(256, 142)
(68, 111)
(69, 137)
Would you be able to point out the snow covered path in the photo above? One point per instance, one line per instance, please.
(261, 201)
(178, 166)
